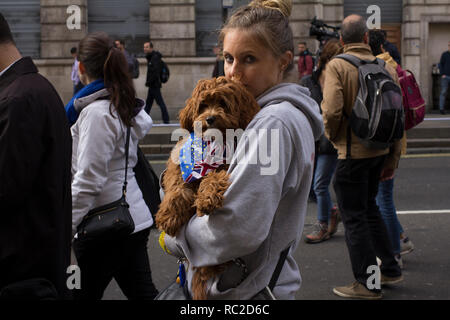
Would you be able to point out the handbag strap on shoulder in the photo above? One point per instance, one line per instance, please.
(276, 273)
(127, 147)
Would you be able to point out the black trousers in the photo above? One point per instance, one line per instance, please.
(126, 261)
(356, 186)
(155, 94)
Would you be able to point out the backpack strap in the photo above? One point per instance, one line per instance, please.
(358, 62)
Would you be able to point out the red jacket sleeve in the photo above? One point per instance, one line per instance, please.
(309, 64)
(299, 67)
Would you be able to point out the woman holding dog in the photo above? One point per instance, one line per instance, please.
(102, 112)
(264, 208)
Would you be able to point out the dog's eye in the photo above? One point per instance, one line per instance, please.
(202, 107)
(223, 105)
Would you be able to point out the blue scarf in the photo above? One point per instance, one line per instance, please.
(91, 88)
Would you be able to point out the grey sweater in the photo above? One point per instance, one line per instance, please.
(265, 205)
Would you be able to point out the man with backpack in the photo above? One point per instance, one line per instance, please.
(154, 70)
(362, 163)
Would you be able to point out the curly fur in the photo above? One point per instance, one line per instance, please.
(233, 107)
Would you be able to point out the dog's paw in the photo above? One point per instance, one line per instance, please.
(211, 192)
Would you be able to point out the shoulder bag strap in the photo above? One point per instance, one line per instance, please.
(276, 273)
(127, 147)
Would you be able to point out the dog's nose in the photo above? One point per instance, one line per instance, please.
(210, 120)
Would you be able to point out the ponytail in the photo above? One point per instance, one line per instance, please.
(103, 61)
(120, 86)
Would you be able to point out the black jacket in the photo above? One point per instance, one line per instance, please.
(393, 52)
(324, 146)
(35, 178)
(154, 67)
(444, 64)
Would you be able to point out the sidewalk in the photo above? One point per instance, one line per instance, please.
(431, 136)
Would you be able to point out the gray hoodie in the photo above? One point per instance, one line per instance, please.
(265, 205)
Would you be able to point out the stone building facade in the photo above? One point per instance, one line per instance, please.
(419, 32)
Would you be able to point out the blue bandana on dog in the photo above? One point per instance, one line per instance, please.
(198, 158)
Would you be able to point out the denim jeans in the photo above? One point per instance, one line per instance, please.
(326, 164)
(356, 185)
(155, 94)
(385, 202)
(445, 82)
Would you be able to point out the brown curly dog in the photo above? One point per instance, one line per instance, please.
(218, 104)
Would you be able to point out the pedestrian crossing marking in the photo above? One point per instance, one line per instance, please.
(422, 211)
(426, 155)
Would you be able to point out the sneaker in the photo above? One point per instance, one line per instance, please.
(406, 246)
(334, 220)
(399, 260)
(357, 291)
(319, 234)
(378, 261)
(385, 280)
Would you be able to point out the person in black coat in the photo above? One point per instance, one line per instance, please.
(391, 48)
(153, 82)
(35, 180)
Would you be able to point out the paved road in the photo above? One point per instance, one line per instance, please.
(422, 183)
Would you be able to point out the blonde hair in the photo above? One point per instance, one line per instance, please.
(284, 7)
(268, 21)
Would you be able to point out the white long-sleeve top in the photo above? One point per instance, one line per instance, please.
(98, 161)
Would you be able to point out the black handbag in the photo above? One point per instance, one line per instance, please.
(110, 221)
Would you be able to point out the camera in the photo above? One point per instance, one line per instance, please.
(322, 31)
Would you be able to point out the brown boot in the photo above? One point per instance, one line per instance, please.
(357, 291)
(319, 234)
(334, 220)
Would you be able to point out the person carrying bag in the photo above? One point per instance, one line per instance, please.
(110, 219)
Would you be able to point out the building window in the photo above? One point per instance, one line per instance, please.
(125, 20)
(210, 15)
(391, 10)
(24, 19)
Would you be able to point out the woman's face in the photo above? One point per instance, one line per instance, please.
(251, 63)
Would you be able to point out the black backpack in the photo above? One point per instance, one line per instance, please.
(165, 72)
(377, 117)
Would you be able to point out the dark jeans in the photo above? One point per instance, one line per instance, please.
(155, 94)
(385, 201)
(445, 83)
(126, 261)
(356, 186)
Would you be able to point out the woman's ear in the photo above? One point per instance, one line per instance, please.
(81, 68)
(285, 60)
(82, 73)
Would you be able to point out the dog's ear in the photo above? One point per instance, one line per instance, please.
(185, 116)
(190, 111)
